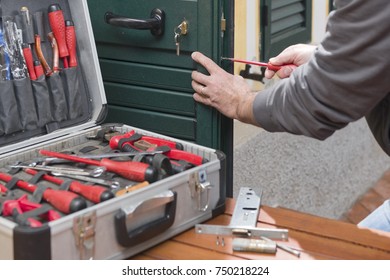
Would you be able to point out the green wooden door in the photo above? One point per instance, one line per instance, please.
(147, 84)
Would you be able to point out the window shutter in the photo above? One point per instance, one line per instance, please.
(283, 23)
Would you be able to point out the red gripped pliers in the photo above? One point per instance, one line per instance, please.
(172, 149)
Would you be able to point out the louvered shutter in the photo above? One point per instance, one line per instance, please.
(284, 22)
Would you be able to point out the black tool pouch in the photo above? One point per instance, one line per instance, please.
(58, 104)
(25, 103)
(42, 101)
(9, 116)
(73, 94)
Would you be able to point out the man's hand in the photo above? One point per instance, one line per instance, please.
(227, 93)
(294, 55)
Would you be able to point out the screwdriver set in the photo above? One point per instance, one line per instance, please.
(41, 87)
(72, 186)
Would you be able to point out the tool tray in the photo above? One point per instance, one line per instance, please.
(64, 112)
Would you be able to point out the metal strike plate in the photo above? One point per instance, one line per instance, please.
(244, 220)
(247, 208)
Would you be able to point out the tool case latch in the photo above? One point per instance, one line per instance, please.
(200, 189)
(84, 234)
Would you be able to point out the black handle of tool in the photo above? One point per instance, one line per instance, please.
(155, 23)
(144, 232)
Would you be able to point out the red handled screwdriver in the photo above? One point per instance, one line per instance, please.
(95, 194)
(57, 25)
(135, 171)
(265, 64)
(29, 61)
(64, 201)
(70, 35)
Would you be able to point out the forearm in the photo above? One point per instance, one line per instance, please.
(342, 82)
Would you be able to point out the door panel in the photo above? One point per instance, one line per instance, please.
(146, 75)
(151, 99)
(176, 126)
(147, 85)
(115, 37)
(142, 72)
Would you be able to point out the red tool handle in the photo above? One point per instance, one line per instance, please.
(38, 69)
(28, 57)
(135, 171)
(57, 25)
(3, 189)
(27, 205)
(187, 156)
(70, 35)
(64, 201)
(162, 142)
(95, 194)
(12, 208)
(114, 141)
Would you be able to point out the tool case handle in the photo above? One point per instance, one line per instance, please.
(151, 229)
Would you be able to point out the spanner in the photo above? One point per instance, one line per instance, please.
(102, 182)
(96, 172)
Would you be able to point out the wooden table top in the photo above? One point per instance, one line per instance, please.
(315, 237)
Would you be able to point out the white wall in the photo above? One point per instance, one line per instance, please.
(319, 18)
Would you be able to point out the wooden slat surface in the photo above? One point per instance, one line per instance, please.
(369, 201)
(315, 237)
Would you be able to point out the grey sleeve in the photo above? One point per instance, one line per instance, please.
(348, 76)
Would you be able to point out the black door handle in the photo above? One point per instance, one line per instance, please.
(155, 23)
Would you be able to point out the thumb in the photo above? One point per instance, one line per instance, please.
(286, 71)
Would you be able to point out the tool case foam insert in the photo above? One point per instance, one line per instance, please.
(30, 120)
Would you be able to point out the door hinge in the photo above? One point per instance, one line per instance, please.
(223, 23)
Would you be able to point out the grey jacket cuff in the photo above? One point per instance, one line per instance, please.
(262, 112)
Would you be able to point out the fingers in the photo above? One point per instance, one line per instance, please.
(206, 62)
(199, 88)
(283, 73)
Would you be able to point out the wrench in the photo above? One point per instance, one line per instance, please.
(96, 172)
(102, 182)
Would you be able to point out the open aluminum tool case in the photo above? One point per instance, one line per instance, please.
(118, 227)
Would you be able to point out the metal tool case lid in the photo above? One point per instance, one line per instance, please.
(33, 122)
